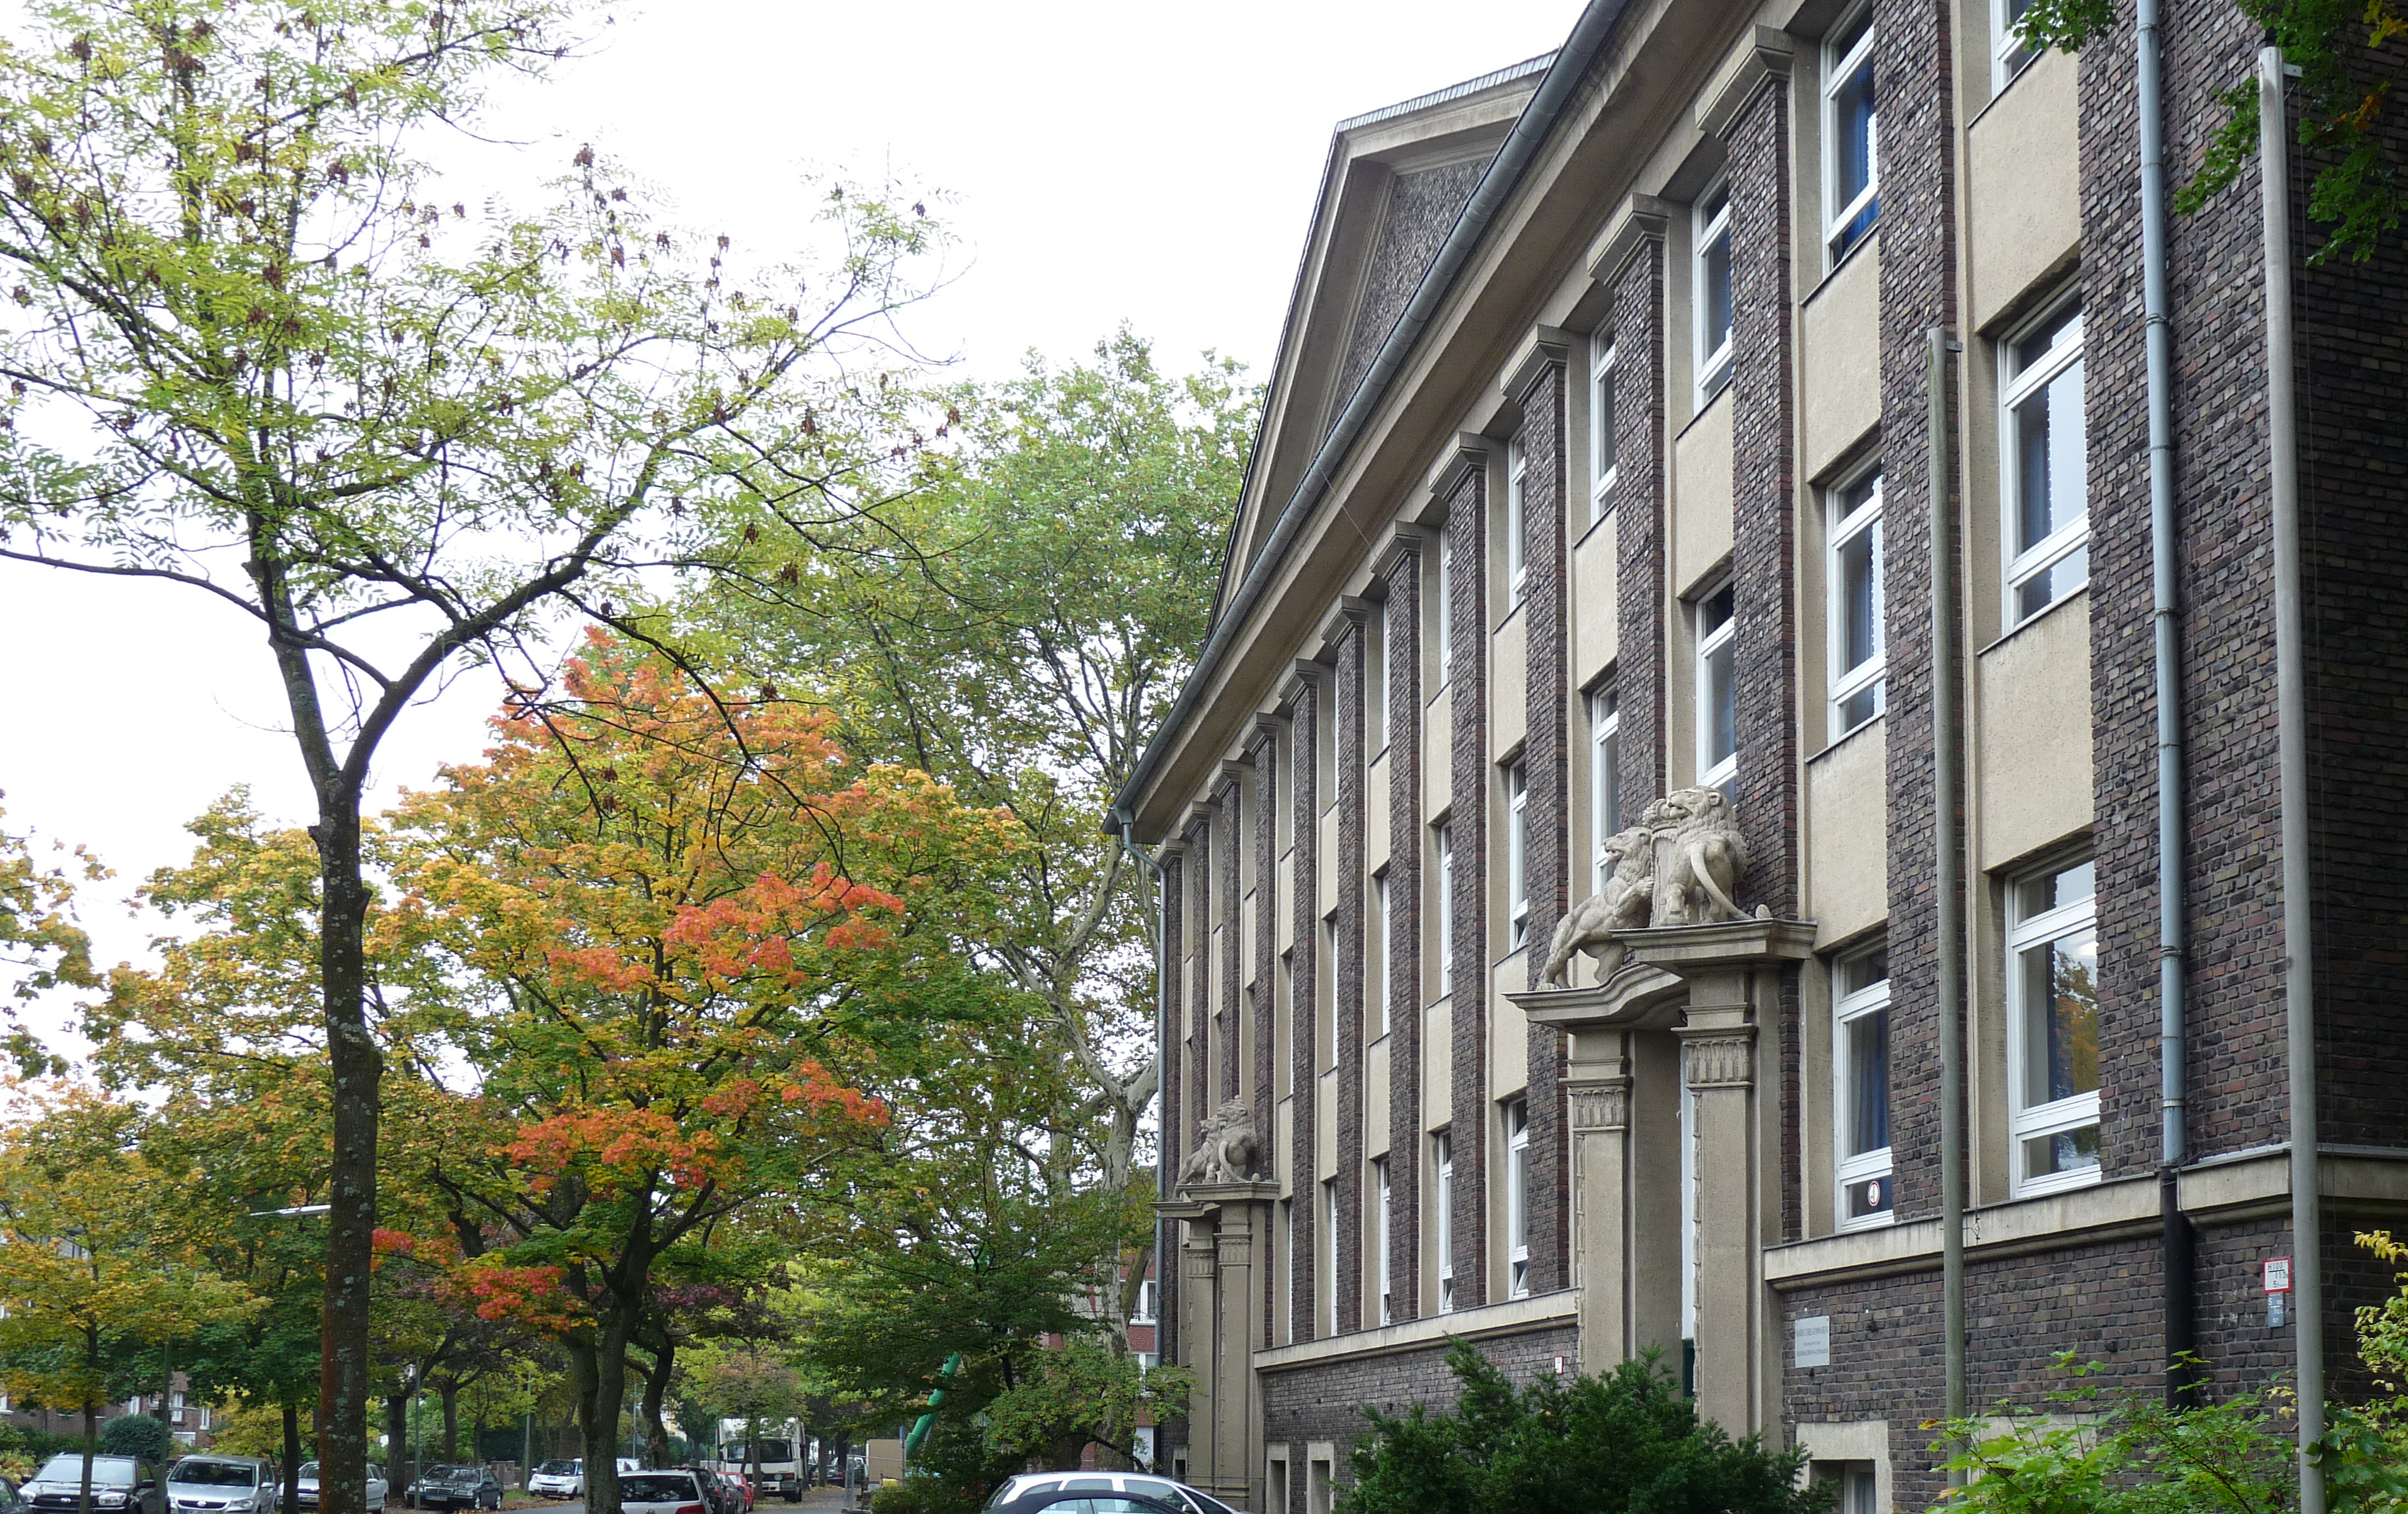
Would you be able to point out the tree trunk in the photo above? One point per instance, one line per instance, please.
(451, 1392)
(291, 1501)
(602, 1396)
(397, 1434)
(656, 1392)
(351, 1213)
(91, 1446)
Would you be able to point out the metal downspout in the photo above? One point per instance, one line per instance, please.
(2290, 703)
(2176, 1249)
(1945, 841)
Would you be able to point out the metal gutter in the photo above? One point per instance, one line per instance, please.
(2290, 707)
(1570, 65)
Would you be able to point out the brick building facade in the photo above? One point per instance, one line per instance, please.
(1597, 466)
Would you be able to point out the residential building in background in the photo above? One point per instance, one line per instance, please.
(1598, 465)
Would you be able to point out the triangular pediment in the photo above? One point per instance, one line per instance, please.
(1397, 183)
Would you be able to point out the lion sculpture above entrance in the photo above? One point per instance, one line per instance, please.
(1680, 866)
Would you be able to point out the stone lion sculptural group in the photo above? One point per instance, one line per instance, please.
(1680, 866)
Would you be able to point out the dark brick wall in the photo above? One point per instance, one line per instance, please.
(1422, 207)
(1639, 521)
(2353, 401)
(1262, 752)
(1764, 559)
(1467, 528)
(1547, 764)
(1325, 1401)
(1227, 1039)
(1174, 1124)
(1403, 643)
(1303, 999)
(1918, 269)
(1347, 1251)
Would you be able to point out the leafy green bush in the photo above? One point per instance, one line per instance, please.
(2095, 1451)
(136, 1435)
(1627, 1442)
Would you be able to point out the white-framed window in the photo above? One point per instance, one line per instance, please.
(1851, 137)
(1517, 855)
(1442, 843)
(1379, 1212)
(2009, 51)
(2044, 462)
(1147, 1361)
(1717, 690)
(2053, 1028)
(1442, 1199)
(1604, 451)
(1604, 780)
(1517, 1199)
(1860, 1087)
(1853, 583)
(1711, 288)
(1517, 520)
(1143, 1313)
(1445, 607)
(1383, 973)
(1330, 1251)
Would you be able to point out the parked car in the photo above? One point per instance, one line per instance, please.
(1063, 1500)
(12, 1500)
(119, 1485)
(456, 1487)
(672, 1490)
(380, 1492)
(719, 1496)
(220, 1485)
(564, 1478)
(744, 1484)
(1176, 1496)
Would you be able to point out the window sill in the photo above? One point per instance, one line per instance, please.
(1704, 404)
(1596, 521)
(1870, 239)
(2082, 594)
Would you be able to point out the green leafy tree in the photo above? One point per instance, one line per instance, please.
(1625, 1441)
(2347, 64)
(273, 365)
(1019, 633)
(41, 946)
(1079, 1394)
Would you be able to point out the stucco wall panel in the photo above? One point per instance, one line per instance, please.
(2023, 163)
(2033, 761)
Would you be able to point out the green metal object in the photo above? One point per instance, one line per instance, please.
(926, 1422)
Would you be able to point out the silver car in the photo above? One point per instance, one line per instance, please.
(220, 1485)
(1145, 1485)
(378, 1489)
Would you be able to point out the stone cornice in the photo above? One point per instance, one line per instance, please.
(1763, 55)
(1542, 347)
(1469, 451)
(1345, 621)
(1638, 220)
(1405, 545)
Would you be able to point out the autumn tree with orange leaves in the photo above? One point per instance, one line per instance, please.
(681, 938)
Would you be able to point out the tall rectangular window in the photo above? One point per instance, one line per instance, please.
(2053, 1027)
(2045, 463)
(1442, 1200)
(1379, 1212)
(2008, 51)
(1851, 137)
(1143, 1313)
(1604, 451)
(1329, 1254)
(1853, 583)
(1445, 914)
(1382, 974)
(1517, 856)
(1711, 283)
(1604, 780)
(1860, 1087)
(1445, 607)
(1718, 692)
(1517, 524)
(1517, 1199)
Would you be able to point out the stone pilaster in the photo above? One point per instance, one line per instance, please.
(1344, 637)
(1400, 570)
(1462, 483)
(1301, 696)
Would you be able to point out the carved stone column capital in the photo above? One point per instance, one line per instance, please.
(1720, 1057)
(1600, 1106)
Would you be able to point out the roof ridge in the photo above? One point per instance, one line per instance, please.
(1453, 92)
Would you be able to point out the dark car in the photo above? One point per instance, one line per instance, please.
(119, 1485)
(456, 1487)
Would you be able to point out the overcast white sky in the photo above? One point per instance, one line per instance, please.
(1103, 162)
